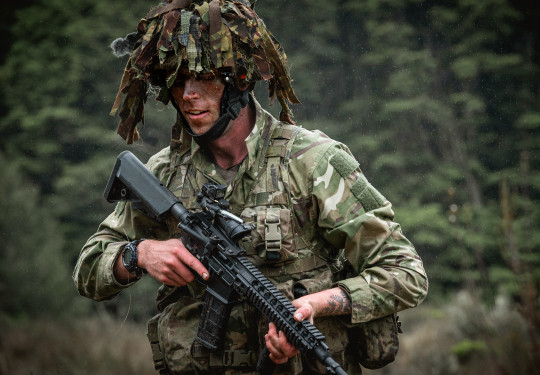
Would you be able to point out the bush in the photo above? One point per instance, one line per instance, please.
(463, 337)
(34, 276)
(97, 345)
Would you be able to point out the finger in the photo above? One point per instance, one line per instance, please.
(272, 329)
(275, 354)
(272, 344)
(183, 272)
(286, 347)
(174, 278)
(279, 360)
(272, 338)
(175, 272)
(189, 260)
(304, 312)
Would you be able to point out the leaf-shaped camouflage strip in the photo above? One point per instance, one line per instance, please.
(202, 9)
(164, 45)
(280, 73)
(148, 31)
(243, 23)
(132, 111)
(240, 28)
(184, 27)
(253, 22)
(144, 58)
(227, 56)
(126, 78)
(262, 63)
(215, 32)
(173, 4)
(194, 44)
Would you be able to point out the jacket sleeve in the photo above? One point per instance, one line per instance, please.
(93, 274)
(354, 216)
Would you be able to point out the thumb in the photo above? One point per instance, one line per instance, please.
(303, 312)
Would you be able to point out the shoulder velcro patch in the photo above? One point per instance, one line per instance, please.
(344, 163)
(367, 194)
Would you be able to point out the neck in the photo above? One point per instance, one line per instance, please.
(230, 149)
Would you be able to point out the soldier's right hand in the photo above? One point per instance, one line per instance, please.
(169, 262)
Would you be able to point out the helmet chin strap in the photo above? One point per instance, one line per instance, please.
(232, 102)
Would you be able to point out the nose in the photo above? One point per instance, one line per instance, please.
(191, 89)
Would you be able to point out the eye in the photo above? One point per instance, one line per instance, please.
(180, 81)
(181, 77)
(208, 77)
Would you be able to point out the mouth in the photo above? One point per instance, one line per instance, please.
(196, 113)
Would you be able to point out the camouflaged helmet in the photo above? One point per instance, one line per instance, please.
(198, 37)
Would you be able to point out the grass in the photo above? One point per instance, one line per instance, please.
(463, 337)
(87, 346)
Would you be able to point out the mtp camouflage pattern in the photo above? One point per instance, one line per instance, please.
(318, 223)
(196, 37)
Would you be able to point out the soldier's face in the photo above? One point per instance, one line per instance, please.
(199, 101)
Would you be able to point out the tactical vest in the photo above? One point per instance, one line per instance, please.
(277, 246)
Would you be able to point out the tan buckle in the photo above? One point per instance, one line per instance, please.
(272, 235)
(272, 240)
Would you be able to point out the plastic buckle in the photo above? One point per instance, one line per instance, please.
(272, 240)
(238, 358)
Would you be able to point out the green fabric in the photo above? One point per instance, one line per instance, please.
(319, 218)
(344, 163)
(367, 194)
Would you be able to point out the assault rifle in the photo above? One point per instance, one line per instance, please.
(212, 236)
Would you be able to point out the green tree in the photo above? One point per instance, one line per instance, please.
(62, 79)
(59, 81)
(440, 97)
(437, 99)
(35, 280)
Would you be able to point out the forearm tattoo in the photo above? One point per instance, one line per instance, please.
(337, 304)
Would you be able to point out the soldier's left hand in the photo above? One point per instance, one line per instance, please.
(325, 303)
(276, 342)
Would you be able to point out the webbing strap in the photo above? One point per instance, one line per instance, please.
(299, 265)
(233, 358)
(223, 358)
(157, 354)
(283, 137)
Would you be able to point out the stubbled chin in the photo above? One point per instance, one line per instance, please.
(199, 129)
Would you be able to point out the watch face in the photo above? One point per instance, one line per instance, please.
(128, 256)
(130, 259)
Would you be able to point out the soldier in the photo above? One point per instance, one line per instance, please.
(323, 235)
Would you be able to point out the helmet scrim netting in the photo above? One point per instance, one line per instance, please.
(199, 37)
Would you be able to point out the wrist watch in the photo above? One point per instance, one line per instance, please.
(130, 258)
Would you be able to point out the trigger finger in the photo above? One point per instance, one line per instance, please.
(193, 263)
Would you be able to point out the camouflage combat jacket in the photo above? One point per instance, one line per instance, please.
(318, 223)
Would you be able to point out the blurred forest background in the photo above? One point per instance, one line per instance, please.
(438, 99)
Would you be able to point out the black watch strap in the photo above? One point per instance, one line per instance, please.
(130, 258)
